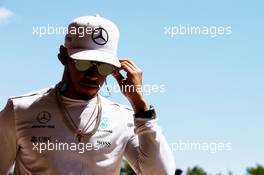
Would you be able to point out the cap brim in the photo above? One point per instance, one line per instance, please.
(94, 55)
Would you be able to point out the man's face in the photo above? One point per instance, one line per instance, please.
(84, 84)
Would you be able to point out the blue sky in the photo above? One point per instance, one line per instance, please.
(214, 86)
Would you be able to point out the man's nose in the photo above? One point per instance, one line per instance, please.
(92, 72)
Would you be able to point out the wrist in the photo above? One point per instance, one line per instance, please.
(139, 104)
(148, 114)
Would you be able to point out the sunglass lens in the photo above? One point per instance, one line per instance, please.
(105, 69)
(83, 65)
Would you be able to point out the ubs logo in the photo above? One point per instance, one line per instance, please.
(100, 36)
(41, 139)
(43, 117)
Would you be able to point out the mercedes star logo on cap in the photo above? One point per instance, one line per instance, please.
(100, 36)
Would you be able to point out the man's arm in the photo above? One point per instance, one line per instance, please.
(147, 151)
(7, 138)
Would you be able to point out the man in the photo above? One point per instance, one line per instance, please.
(70, 129)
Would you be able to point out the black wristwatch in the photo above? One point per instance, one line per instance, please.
(149, 114)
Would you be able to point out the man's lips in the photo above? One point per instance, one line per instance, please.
(89, 84)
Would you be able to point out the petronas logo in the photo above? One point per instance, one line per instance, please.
(103, 123)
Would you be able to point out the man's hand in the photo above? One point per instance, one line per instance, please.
(132, 85)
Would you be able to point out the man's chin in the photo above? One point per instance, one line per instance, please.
(88, 92)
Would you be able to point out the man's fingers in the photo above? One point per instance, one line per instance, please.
(127, 68)
(118, 76)
(130, 62)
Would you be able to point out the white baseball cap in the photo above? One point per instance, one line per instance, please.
(93, 38)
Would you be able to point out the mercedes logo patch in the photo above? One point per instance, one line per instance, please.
(43, 117)
(100, 36)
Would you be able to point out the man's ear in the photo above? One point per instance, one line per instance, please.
(62, 55)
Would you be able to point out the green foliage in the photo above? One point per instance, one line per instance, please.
(196, 171)
(258, 170)
(126, 169)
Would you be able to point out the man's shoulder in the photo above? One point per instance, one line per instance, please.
(116, 105)
(31, 96)
(119, 112)
(33, 93)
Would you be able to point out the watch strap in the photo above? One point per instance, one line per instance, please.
(149, 114)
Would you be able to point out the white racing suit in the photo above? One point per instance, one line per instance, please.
(35, 135)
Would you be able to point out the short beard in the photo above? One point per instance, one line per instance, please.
(73, 90)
